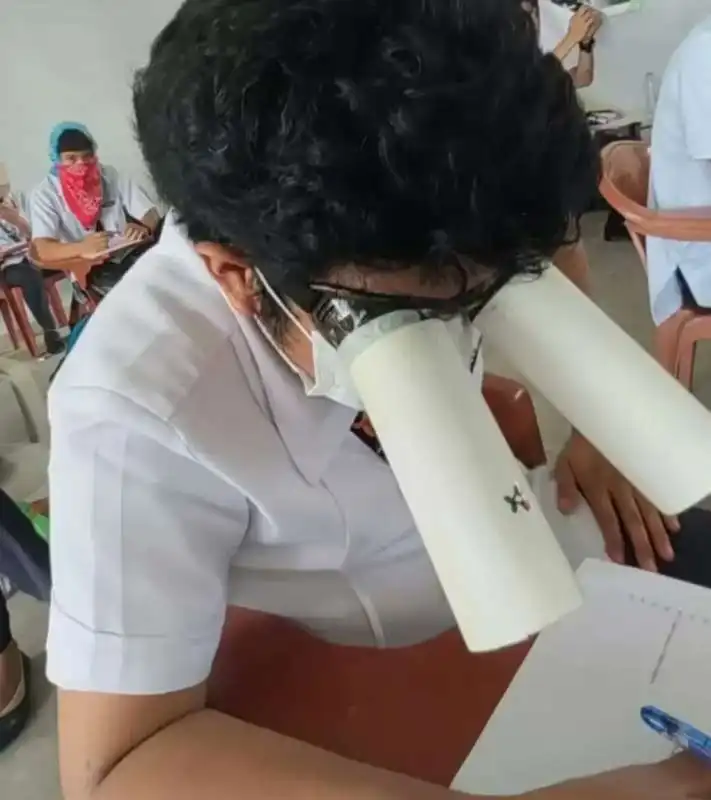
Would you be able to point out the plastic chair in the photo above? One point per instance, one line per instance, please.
(625, 186)
(16, 302)
(15, 297)
(414, 710)
(8, 319)
(77, 271)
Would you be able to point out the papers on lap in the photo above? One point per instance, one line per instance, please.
(116, 244)
(19, 249)
(574, 707)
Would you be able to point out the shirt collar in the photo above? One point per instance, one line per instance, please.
(312, 429)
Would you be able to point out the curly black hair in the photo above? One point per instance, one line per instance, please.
(312, 134)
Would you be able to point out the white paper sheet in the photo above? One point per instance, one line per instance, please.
(21, 248)
(117, 242)
(574, 708)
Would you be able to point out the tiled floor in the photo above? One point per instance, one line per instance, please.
(28, 771)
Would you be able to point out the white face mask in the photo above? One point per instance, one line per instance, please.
(332, 378)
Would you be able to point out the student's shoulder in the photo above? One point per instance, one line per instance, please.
(695, 51)
(161, 336)
(110, 174)
(20, 200)
(46, 192)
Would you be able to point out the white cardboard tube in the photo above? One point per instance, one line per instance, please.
(498, 561)
(644, 422)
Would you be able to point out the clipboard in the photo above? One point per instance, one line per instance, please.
(117, 244)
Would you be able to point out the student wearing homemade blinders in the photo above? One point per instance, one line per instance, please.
(203, 452)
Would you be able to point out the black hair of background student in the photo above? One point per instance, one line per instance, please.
(74, 141)
(309, 134)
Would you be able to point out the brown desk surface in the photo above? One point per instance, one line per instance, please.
(416, 710)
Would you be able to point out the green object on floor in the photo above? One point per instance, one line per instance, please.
(39, 521)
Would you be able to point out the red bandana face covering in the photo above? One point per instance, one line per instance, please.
(81, 186)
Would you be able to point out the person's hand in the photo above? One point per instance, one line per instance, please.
(683, 777)
(584, 24)
(40, 507)
(581, 472)
(135, 233)
(596, 20)
(94, 243)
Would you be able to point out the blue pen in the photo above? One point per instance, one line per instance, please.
(683, 735)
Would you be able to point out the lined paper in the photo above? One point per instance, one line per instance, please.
(574, 707)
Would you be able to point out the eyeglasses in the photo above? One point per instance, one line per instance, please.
(338, 310)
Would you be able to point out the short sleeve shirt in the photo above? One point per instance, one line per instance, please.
(10, 234)
(51, 218)
(189, 472)
(681, 172)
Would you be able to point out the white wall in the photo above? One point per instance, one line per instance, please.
(631, 45)
(71, 59)
(74, 60)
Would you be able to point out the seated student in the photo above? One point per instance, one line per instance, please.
(24, 565)
(81, 202)
(203, 452)
(19, 272)
(583, 26)
(680, 272)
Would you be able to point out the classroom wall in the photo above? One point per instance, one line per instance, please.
(71, 59)
(631, 45)
(75, 59)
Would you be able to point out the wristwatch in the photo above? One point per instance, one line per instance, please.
(587, 47)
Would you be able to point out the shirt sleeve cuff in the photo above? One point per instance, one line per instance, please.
(80, 659)
(44, 232)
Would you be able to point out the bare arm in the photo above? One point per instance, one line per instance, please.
(572, 261)
(583, 74)
(137, 202)
(169, 747)
(50, 250)
(151, 220)
(565, 47)
(584, 24)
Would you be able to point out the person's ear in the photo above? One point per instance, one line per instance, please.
(236, 277)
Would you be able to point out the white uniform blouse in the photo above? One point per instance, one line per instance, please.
(190, 471)
(51, 218)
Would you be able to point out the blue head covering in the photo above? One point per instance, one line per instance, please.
(57, 132)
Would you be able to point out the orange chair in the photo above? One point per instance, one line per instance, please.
(414, 710)
(77, 271)
(14, 296)
(625, 186)
(16, 303)
(9, 319)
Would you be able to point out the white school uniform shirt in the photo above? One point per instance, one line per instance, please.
(10, 234)
(681, 172)
(190, 471)
(51, 217)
